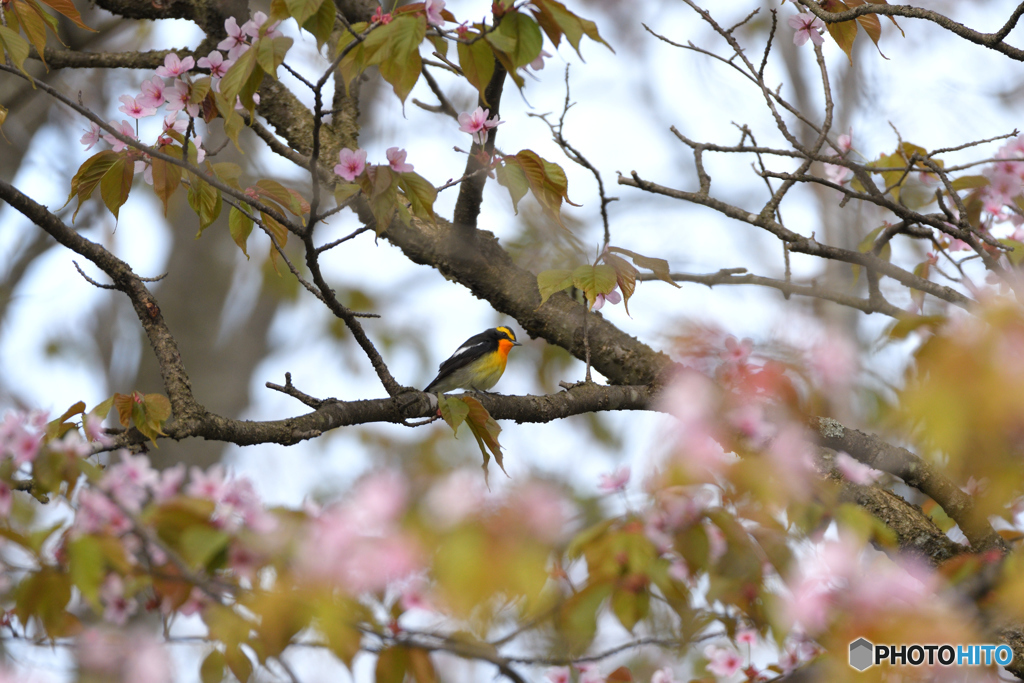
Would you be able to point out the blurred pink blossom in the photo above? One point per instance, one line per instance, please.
(855, 471)
(433, 9)
(118, 608)
(457, 496)
(722, 661)
(6, 499)
(615, 481)
(558, 674)
(663, 675)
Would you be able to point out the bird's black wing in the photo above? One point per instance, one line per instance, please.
(469, 351)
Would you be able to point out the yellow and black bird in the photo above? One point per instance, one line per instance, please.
(477, 364)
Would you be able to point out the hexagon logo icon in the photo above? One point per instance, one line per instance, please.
(861, 654)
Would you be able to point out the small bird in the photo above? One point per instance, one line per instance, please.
(477, 364)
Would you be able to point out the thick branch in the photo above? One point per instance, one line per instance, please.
(993, 41)
(917, 473)
(172, 370)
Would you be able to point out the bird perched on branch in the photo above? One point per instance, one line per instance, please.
(477, 364)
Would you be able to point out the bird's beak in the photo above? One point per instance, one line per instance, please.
(516, 344)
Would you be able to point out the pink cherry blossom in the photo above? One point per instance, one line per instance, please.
(477, 124)
(613, 296)
(72, 444)
(152, 93)
(737, 352)
(117, 607)
(147, 661)
(663, 675)
(178, 99)
(350, 164)
(126, 129)
(93, 426)
(235, 37)
(92, 136)
(396, 159)
(855, 471)
(433, 8)
(20, 439)
(807, 26)
(457, 496)
(542, 508)
(252, 27)
(538, 63)
(170, 482)
(129, 481)
(209, 485)
(97, 513)
(722, 661)
(615, 481)
(558, 674)
(747, 636)
(216, 63)
(174, 67)
(590, 673)
(134, 108)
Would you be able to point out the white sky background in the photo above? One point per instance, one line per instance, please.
(936, 90)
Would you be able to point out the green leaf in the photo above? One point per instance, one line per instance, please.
(630, 607)
(57, 427)
(240, 226)
(88, 176)
(486, 431)
(843, 32)
(239, 73)
(397, 51)
(87, 568)
(511, 175)
(166, 176)
(519, 37)
(16, 47)
(625, 276)
(288, 198)
(552, 281)
(116, 183)
(200, 544)
(392, 664)
(1016, 255)
(212, 668)
(594, 280)
(270, 52)
(239, 663)
(454, 411)
(233, 121)
(477, 63)
(302, 10)
(67, 8)
(321, 24)
(658, 266)
(420, 193)
(32, 22)
(547, 182)
(970, 182)
(205, 200)
(381, 187)
(556, 21)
